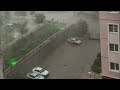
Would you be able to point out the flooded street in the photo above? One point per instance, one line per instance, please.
(66, 62)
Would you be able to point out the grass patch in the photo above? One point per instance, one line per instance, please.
(60, 26)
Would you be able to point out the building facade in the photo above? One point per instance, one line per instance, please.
(110, 43)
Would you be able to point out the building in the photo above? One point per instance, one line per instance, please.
(110, 43)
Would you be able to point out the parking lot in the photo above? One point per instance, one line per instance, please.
(66, 62)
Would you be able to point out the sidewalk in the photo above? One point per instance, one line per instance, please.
(94, 76)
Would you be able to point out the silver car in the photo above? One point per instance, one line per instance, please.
(34, 75)
(74, 40)
(41, 71)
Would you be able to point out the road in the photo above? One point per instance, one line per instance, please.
(66, 62)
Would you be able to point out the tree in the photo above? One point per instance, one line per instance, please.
(96, 67)
(82, 28)
(39, 18)
(22, 27)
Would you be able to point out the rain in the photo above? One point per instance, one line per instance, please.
(59, 42)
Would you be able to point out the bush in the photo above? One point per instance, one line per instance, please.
(96, 67)
(39, 18)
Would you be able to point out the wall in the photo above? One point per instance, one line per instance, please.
(105, 39)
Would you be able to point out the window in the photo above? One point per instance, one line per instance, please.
(114, 66)
(117, 66)
(116, 47)
(113, 47)
(113, 11)
(113, 28)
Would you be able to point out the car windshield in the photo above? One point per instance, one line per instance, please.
(42, 70)
(38, 75)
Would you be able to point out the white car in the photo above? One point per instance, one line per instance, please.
(10, 24)
(41, 71)
(74, 40)
(34, 75)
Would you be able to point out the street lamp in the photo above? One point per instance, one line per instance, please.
(89, 74)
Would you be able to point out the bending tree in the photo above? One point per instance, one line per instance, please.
(96, 67)
(22, 27)
(39, 18)
(82, 28)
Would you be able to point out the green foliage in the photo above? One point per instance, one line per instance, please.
(72, 32)
(12, 62)
(81, 28)
(26, 44)
(21, 27)
(39, 18)
(96, 67)
(7, 34)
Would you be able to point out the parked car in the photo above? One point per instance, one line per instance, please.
(34, 75)
(75, 40)
(41, 71)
